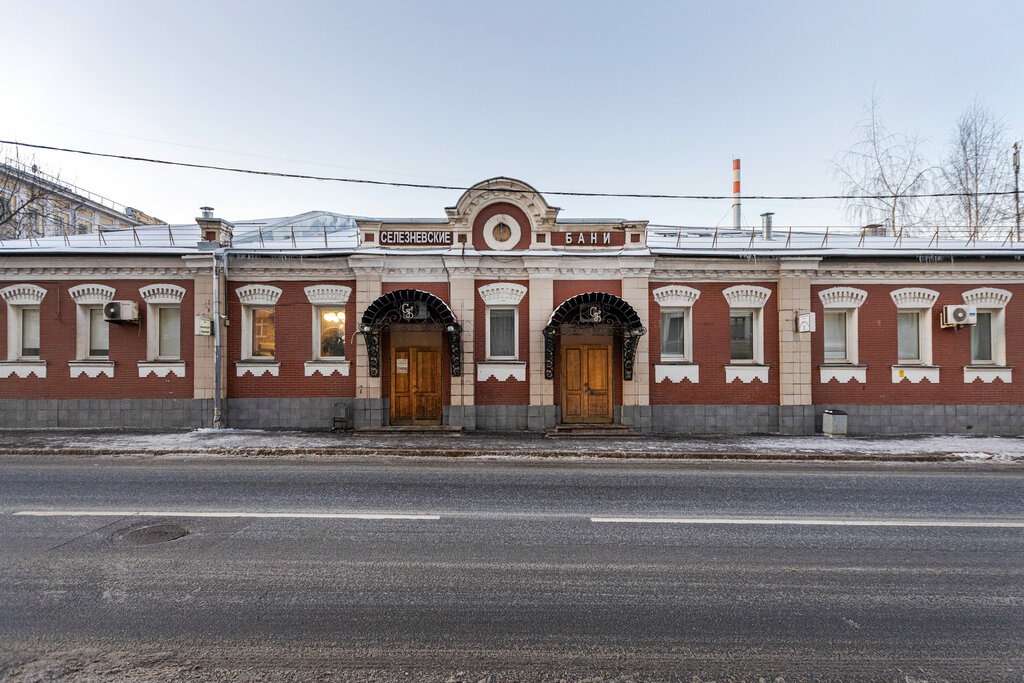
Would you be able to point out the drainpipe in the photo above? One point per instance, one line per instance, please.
(218, 415)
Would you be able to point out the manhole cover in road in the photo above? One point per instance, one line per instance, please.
(154, 533)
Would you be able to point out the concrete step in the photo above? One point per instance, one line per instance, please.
(437, 430)
(611, 431)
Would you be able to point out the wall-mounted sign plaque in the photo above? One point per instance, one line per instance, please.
(426, 238)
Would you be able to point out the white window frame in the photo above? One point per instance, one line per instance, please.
(744, 298)
(160, 296)
(921, 301)
(675, 299)
(88, 297)
(323, 297)
(501, 296)
(253, 297)
(19, 298)
(515, 333)
(994, 301)
(846, 300)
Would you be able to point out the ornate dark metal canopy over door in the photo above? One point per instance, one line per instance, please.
(406, 306)
(596, 310)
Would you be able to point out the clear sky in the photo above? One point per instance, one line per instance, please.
(582, 96)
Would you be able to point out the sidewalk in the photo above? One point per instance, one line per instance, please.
(273, 444)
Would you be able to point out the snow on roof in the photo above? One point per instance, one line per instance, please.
(318, 232)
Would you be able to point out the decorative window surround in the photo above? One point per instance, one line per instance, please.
(19, 297)
(91, 294)
(676, 372)
(161, 368)
(746, 296)
(921, 300)
(327, 295)
(88, 296)
(502, 294)
(162, 293)
(257, 368)
(514, 228)
(23, 295)
(746, 373)
(915, 373)
(842, 297)
(676, 296)
(327, 367)
(914, 297)
(258, 295)
(501, 370)
(987, 373)
(91, 368)
(23, 368)
(843, 373)
(987, 297)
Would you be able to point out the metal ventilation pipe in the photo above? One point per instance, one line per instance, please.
(736, 194)
(766, 225)
(207, 211)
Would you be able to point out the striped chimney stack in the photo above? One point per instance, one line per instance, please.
(736, 194)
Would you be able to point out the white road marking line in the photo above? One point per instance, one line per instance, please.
(805, 522)
(254, 515)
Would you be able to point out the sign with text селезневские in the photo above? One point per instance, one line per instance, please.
(416, 238)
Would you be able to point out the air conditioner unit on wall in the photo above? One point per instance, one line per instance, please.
(959, 314)
(121, 312)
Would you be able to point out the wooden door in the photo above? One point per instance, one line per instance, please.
(416, 385)
(587, 383)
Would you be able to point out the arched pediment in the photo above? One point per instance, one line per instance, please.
(406, 306)
(501, 189)
(595, 309)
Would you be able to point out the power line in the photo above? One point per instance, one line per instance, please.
(462, 188)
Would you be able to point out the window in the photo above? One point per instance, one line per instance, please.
(502, 301)
(169, 332)
(673, 333)
(259, 338)
(981, 338)
(332, 332)
(501, 333)
(914, 327)
(835, 336)
(99, 334)
(908, 336)
(262, 332)
(29, 333)
(746, 330)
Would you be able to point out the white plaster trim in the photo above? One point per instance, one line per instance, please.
(257, 368)
(842, 297)
(91, 368)
(987, 297)
(502, 294)
(514, 227)
(915, 373)
(328, 295)
(914, 297)
(746, 373)
(843, 373)
(676, 296)
(91, 294)
(258, 295)
(161, 368)
(676, 372)
(23, 295)
(501, 371)
(327, 367)
(162, 293)
(987, 373)
(746, 296)
(23, 368)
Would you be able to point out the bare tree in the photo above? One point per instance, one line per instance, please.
(26, 201)
(978, 161)
(881, 174)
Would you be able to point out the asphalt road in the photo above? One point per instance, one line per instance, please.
(510, 570)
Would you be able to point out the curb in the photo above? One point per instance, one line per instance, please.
(485, 453)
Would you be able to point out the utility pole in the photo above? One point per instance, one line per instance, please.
(1016, 185)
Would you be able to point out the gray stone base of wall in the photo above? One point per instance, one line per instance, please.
(320, 414)
(121, 413)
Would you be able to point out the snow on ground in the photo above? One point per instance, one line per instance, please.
(967, 448)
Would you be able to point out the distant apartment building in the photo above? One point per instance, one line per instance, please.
(36, 204)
